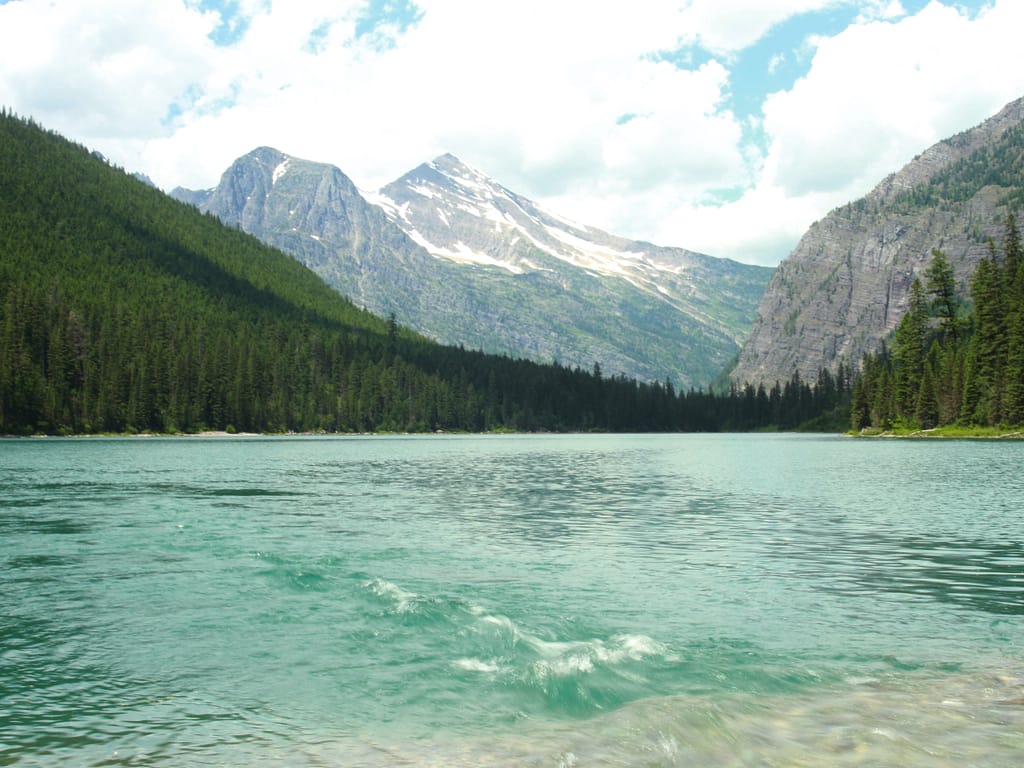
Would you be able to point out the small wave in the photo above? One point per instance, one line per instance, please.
(476, 665)
(564, 666)
(582, 674)
(404, 603)
(404, 600)
(567, 658)
(503, 625)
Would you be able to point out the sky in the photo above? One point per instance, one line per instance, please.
(722, 126)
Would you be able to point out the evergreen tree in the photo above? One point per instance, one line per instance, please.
(908, 352)
(987, 350)
(942, 287)
(1013, 401)
(1013, 253)
(927, 406)
(860, 408)
(974, 369)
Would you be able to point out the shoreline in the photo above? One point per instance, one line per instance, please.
(215, 433)
(937, 433)
(943, 433)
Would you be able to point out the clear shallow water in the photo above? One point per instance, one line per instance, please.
(512, 601)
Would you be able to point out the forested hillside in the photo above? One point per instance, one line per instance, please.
(948, 364)
(122, 310)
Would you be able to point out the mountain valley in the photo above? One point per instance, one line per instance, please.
(456, 256)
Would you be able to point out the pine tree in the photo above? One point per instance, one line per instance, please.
(942, 287)
(987, 352)
(927, 407)
(860, 407)
(1013, 375)
(908, 352)
(1013, 253)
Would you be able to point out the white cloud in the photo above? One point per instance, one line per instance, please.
(879, 93)
(562, 102)
(881, 9)
(523, 92)
(109, 68)
(876, 95)
(727, 26)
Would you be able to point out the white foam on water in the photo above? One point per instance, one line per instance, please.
(404, 600)
(476, 665)
(563, 666)
(501, 622)
(582, 655)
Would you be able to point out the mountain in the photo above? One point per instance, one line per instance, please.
(675, 313)
(314, 213)
(123, 310)
(845, 287)
(465, 261)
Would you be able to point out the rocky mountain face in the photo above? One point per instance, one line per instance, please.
(461, 259)
(314, 213)
(845, 287)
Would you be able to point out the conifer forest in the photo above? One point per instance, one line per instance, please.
(951, 363)
(123, 311)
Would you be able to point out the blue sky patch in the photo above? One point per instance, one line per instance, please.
(381, 18)
(233, 23)
(318, 38)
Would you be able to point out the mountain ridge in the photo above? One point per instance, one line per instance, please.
(845, 287)
(463, 260)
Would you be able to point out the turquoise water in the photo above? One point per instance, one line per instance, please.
(511, 601)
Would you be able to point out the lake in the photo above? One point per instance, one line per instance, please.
(561, 600)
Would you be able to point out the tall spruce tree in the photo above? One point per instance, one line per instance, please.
(987, 349)
(1013, 401)
(909, 352)
(942, 287)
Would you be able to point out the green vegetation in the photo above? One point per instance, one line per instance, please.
(124, 311)
(998, 164)
(949, 367)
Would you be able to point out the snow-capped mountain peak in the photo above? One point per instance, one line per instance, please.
(458, 212)
(459, 257)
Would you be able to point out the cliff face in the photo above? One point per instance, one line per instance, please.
(845, 287)
(313, 212)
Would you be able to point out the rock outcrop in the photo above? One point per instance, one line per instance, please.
(845, 287)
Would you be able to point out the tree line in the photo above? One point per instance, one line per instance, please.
(949, 363)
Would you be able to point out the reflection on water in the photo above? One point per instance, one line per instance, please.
(979, 575)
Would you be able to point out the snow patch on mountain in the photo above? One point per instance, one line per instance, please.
(594, 256)
(562, 219)
(461, 253)
(458, 213)
(279, 171)
(427, 192)
(392, 209)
